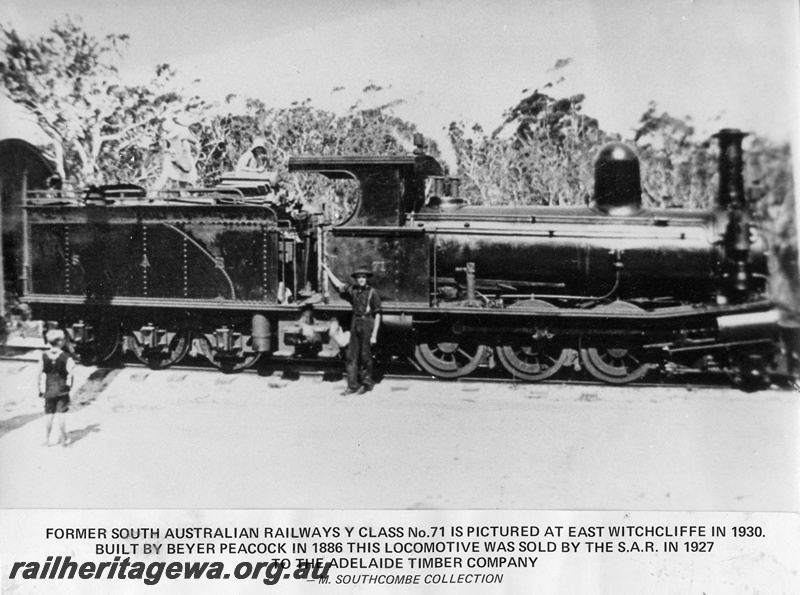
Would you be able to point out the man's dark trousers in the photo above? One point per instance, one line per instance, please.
(359, 352)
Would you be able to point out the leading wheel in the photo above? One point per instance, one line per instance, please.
(449, 359)
(536, 361)
(749, 373)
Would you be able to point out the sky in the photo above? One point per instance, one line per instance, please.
(724, 63)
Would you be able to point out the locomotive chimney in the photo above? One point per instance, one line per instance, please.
(731, 179)
(731, 198)
(419, 144)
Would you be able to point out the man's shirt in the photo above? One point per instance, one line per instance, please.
(365, 300)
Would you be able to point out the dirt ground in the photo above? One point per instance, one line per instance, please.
(178, 439)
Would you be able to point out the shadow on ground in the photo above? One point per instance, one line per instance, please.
(9, 425)
(75, 435)
(95, 384)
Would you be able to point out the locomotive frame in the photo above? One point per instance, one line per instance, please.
(534, 289)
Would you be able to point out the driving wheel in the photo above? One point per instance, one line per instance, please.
(449, 359)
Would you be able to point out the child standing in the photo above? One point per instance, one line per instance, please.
(55, 381)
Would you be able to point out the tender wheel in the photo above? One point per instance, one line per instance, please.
(227, 364)
(533, 362)
(165, 356)
(450, 359)
(615, 365)
(105, 344)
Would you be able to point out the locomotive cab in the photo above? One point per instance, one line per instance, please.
(391, 189)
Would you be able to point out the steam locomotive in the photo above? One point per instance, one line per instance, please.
(611, 287)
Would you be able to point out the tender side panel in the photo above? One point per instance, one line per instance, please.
(209, 260)
(154, 253)
(164, 260)
(49, 256)
(105, 260)
(97, 260)
(226, 261)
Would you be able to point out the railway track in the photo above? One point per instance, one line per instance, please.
(293, 368)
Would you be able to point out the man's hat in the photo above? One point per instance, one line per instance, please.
(362, 270)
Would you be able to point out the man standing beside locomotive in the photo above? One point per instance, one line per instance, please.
(363, 329)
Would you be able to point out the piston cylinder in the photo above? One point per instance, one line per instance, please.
(752, 325)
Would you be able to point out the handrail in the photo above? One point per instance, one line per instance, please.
(110, 196)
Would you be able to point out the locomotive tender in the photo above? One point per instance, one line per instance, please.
(609, 287)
